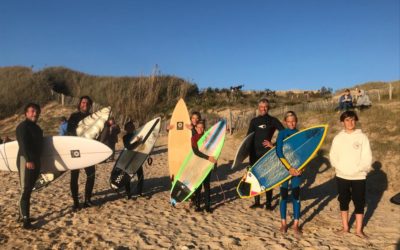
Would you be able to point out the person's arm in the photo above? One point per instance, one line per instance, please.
(251, 127)
(127, 142)
(25, 146)
(277, 126)
(366, 155)
(23, 142)
(133, 145)
(200, 154)
(196, 150)
(281, 156)
(333, 153)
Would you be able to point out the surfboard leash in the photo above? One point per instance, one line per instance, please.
(5, 157)
(220, 186)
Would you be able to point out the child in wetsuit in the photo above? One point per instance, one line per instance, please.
(206, 183)
(130, 133)
(290, 120)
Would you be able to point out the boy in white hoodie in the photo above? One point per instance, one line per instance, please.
(351, 157)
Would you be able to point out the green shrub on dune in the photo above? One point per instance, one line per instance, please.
(19, 85)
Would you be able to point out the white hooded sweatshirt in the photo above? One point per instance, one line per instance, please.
(351, 155)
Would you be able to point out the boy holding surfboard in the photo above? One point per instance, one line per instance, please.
(351, 157)
(30, 140)
(130, 133)
(290, 120)
(264, 127)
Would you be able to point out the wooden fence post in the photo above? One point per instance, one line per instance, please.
(390, 91)
(230, 121)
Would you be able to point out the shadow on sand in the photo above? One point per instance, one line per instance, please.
(323, 193)
(226, 192)
(377, 184)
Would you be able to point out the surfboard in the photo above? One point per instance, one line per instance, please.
(179, 135)
(268, 172)
(195, 169)
(129, 161)
(243, 151)
(90, 127)
(59, 153)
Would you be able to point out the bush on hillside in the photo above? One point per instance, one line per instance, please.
(19, 86)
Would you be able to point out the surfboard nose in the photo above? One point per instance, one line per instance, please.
(244, 189)
(173, 202)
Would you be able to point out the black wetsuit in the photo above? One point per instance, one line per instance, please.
(73, 122)
(264, 128)
(140, 175)
(30, 140)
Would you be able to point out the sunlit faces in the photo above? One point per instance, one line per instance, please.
(349, 124)
(194, 119)
(291, 122)
(263, 108)
(32, 114)
(84, 105)
(200, 128)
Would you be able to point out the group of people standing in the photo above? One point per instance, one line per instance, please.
(350, 155)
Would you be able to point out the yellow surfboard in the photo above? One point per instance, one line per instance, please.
(179, 143)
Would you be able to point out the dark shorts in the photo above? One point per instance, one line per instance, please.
(351, 190)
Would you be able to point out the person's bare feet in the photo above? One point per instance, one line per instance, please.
(342, 232)
(362, 235)
(283, 229)
(297, 231)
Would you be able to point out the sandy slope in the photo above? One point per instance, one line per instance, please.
(151, 223)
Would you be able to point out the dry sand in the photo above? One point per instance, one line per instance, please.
(151, 223)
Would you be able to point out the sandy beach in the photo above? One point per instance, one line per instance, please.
(150, 222)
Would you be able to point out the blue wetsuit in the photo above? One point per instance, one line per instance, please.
(293, 183)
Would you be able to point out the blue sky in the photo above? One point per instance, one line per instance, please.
(262, 44)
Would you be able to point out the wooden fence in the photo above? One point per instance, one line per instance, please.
(240, 120)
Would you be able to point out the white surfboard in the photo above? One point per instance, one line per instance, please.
(90, 128)
(59, 153)
(131, 160)
(92, 125)
(243, 151)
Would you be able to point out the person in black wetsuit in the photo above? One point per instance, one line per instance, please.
(30, 140)
(206, 183)
(130, 133)
(264, 127)
(84, 106)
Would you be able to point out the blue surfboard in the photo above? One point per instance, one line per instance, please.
(269, 172)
